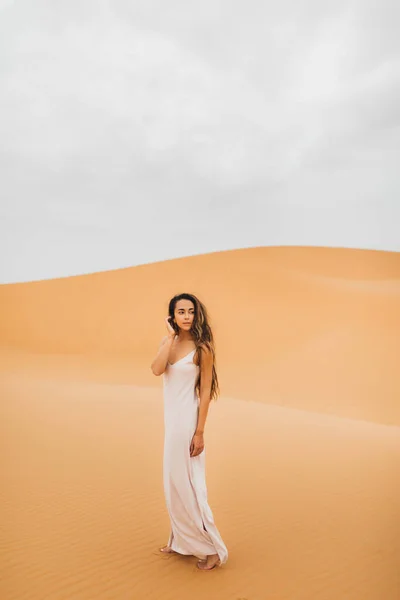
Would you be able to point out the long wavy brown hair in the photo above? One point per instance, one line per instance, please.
(202, 335)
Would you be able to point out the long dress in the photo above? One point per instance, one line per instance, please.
(193, 531)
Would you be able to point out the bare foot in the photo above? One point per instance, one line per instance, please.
(167, 550)
(211, 562)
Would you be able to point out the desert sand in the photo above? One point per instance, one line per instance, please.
(303, 446)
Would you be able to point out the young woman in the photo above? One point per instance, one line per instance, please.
(186, 359)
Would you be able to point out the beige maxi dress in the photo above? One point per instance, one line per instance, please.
(193, 531)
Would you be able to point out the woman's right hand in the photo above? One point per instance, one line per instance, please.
(170, 329)
(160, 363)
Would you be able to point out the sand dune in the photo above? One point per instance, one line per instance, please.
(315, 328)
(303, 447)
(308, 503)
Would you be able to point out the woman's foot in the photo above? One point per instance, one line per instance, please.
(167, 550)
(211, 562)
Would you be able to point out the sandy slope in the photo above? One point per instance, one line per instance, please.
(307, 503)
(305, 497)
(315, 328)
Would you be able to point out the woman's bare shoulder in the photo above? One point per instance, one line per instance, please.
(205, 351)
(204, 347)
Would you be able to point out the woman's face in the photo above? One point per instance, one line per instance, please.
(184, 314)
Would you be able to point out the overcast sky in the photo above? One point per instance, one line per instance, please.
(134, 131)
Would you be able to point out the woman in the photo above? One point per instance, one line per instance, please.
(186, 359)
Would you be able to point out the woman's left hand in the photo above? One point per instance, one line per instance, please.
(197, 445)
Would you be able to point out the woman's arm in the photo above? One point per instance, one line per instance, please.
(159, 364)
(205, 388)
(197, 443)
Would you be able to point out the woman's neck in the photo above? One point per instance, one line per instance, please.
(185, 336)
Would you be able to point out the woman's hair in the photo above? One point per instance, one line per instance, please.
(202, 335)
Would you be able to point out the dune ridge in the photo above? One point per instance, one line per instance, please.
(293, 326)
